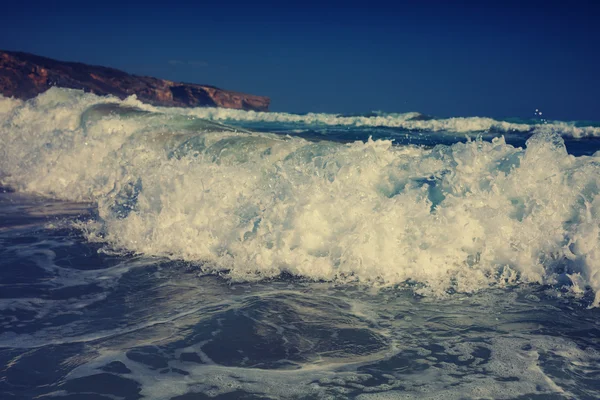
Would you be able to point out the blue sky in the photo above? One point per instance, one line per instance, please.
(485, 58)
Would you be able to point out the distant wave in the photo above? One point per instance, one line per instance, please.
(412, 121)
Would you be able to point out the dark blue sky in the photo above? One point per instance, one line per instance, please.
(486, 58)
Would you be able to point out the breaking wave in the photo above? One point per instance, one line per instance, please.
(172, 183)
(409, 121)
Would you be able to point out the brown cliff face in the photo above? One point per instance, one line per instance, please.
(24, 76)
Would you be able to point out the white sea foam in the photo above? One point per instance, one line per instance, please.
(7, 105)
(409, 121)
(256, 205)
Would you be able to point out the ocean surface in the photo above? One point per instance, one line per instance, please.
(184, 254)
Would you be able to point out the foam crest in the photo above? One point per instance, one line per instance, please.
(409, 121)
(7, 105)
(254, 205)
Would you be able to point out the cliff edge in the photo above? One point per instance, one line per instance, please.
(24, 76)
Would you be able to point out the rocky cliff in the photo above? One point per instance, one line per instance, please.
(24, 76)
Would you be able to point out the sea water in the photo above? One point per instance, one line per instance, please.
(198, 253)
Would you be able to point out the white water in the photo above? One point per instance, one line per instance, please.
(403, 121)
(456, 218)
(408, 121)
